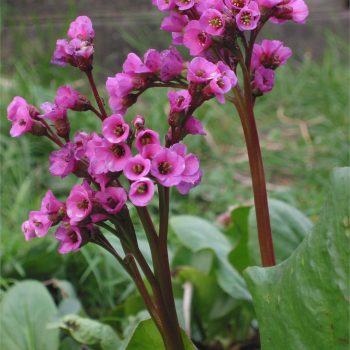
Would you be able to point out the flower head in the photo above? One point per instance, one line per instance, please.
(70, 238)
(271, 54)
(137, 167)
(201, 70)
(179, 100)
(51, 206)
(167, 167)
(213, 22)
(295, 10)
(81, 28)
(171, 64)
(40, 223)
(195, 38)
(79, 202)
(62, 161)
(112, 199)
(264, 80)
(146, 137)
(248, 17)
(114, 129)
(28, 230)
(141, 192)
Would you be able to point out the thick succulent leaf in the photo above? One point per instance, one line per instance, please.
(26, 309)
(147, 337)
(303, 303)
(289, 227)
(89, 332)
(197, 234)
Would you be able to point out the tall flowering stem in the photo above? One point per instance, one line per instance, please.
(125, 163)
(98, 99)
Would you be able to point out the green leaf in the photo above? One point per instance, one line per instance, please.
(303, 303)
(89, 332)
(239, 256)
(197, 234)
(147, 337)
(26, 309)
(289, 227)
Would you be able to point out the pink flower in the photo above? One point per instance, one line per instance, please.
(141, 192)
(171, 64)
(81, 28)
(133, 64)
(120, 85)
(137, 167)
(191, 175)
(79, 202)
(105, 156)
(167, 167)
(18, 114)
(146, 137)
(70, 238)
(28, 230)
(40, 223)
(194, 126)
(76, 52)
(201, 70)
(120, 104)
(165, 5)
(179, 100)
(248, 17)
(68, 98)
(150, 150)
(97, 163)
(152, 60)
(195, 38)
(185, 4)
(237, 4)
(51, 206)
(213, 22)
(16, 104)
(176, 24)
(295, 10)
(202, 6)
(223, 82)
(114, 129)
(62, 161)
(271, 54)
(53, 112)
(63, 53)
(112, 199)
(138, 122)
(264, 80)
(80, 143)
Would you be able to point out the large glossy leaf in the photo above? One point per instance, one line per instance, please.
(289, 227)
(26, 310)
(303, 303)
(89, 332)
(197, 234)
(147, 337)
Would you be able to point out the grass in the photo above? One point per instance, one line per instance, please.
(303, 126)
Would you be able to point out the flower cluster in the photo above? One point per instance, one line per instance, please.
(127, 161)
(102, 159)
(78, 50)
(139, 75)
(265, 59)
(198, 24)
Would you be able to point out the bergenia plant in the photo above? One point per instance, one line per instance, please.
(126, 163)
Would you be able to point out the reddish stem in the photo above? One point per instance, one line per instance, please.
(97, 95)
